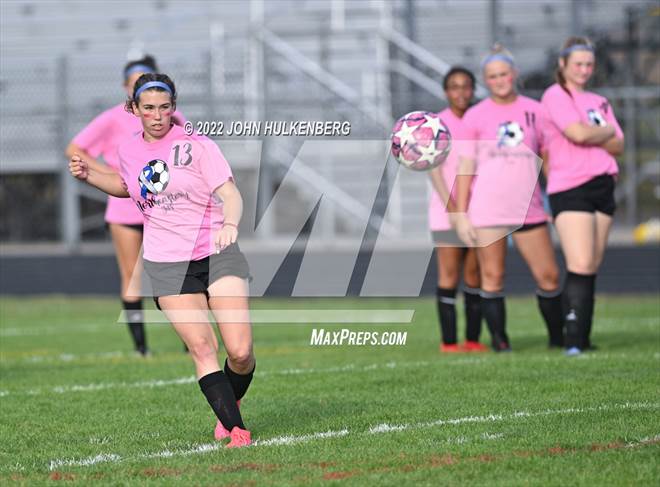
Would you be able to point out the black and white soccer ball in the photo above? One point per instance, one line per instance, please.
(510, 134)
(596, 118)
(154, 177)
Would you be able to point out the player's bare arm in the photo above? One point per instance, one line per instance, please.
(233, 210)
(110, 183)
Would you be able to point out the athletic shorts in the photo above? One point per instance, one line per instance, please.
(531, 226)
(597, 194)
(195, 276)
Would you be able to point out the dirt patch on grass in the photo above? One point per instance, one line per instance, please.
(441, 461)
(161, 472)
(340, 475)
(255, 467)
(449, 460)
(57, 475)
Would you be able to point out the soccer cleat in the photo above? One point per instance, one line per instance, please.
(470, 346)
(500, 343)
(450, 348)
(239, 438)
(221, 432)
(573, 352)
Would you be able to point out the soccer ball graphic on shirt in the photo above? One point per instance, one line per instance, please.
(509, 134)
(154, 177)
(595, 118)
(420, 141)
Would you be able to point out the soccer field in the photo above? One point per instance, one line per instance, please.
(78, 406)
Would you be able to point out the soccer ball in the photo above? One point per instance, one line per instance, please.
(596, 118)
(154, 177)
(510, 134)
(420, 141)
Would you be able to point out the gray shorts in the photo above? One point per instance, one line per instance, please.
(195, 276)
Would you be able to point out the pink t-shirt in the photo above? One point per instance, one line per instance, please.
(101, 137)
(505, 141)
(171, 181)
(438, 218)
(570, 164)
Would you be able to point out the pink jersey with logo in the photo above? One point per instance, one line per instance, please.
(438, 218)
(570, 164)
(101, 137)
(171, 181)
(505, 141)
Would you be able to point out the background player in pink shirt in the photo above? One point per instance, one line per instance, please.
(101, 138)
(583, 138)
(511, 127)
(459, 85)
(184, 188)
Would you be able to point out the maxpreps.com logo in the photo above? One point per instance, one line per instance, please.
(596, 118)
(154, 177)
(509, 134)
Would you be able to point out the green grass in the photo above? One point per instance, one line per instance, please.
(71, 391)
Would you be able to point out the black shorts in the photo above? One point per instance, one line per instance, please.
(597, 194)
(133, 226)
(531, 226)
(195, 276)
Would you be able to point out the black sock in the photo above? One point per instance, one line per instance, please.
(550, 304)
(578, 302)
(220, 395)
(591, 303)
(239, 382)
(493, 309)
(135, 320)
(472, 313)
(446, 301)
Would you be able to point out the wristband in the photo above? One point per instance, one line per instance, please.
(230, 225)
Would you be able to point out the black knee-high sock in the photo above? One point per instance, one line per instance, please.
(591, 303)
(239, 382)
(472, 313)
(578, 302)
(494, 310)
(550, 304)
(446, 301)
(220, 395)
(135, 320)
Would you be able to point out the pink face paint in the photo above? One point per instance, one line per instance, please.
(147, 115)
(166, 114)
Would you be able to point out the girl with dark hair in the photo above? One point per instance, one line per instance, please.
(100, 138)
(583, 138)
(184, 187)
(451, 256)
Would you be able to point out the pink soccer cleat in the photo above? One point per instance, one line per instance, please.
(470, 346)
(239, 438)
(221, 432)
(450, 348)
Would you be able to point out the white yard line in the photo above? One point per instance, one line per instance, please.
(380, 429)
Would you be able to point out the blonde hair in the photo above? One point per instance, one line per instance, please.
(498, 53)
